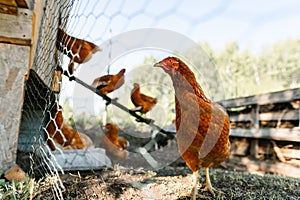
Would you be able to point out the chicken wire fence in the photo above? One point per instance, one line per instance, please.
(130, 34)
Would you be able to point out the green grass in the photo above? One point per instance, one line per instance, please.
(17, 190)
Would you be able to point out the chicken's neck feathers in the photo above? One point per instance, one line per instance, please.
(184, 79)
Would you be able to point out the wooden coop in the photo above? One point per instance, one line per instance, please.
(19, 25)
(266, 124)
(30, 85)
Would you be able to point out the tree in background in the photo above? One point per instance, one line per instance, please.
(244, 73)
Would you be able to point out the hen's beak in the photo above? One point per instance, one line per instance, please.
(158, 65)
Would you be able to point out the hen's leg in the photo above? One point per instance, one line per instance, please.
(194, 193)
(137, 109)
(208, 186)
(195, 184)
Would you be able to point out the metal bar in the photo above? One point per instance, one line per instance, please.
(139, 118)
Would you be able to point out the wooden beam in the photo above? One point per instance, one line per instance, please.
(241, 117)
(15, 3)
(9, 2)
(8, 9)
(22, 4)
(288, 115)
(285, 134)
(290, 153)
(36, 22)
(16, 29)
(278, 152)
(255, 116)
(261, 99)
(254, 148)
(268, 116)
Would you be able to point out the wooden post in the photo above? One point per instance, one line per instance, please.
(254, 148)
(36, 21)
(254, 142)
(14, 60)
(15, 44)
(299, 116)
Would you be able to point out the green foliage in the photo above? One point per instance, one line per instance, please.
(16, 190)
(244, 73)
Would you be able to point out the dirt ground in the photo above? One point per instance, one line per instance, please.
(170, 183)
(134, 178)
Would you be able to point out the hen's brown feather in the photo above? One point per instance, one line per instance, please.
(116, 147)
(139, 99)
(108, 83)
(78, 50)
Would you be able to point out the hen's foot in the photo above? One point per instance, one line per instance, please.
(190, 196)
(209, 188)
(137, 109)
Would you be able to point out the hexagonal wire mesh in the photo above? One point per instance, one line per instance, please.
(130, 34)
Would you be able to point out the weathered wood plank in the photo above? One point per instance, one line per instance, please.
(269, 116)
(240, 117)
(261, 99)
(288, 115)
(239, 147)
(290, 153)
(16, 29)
(285, 134)
(12, 69)
(7, 9)
(22, 4)
(9, 2)
(254, 148)
(36, 22)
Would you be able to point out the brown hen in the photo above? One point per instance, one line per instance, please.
(60, 134)
(142, 102)
(108, 83)
(202, 126)
(78, 50)
(115, 146)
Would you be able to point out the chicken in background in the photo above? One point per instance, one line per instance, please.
(108, 83)
(79, 141)
(59, 134)
(202, 126)
(78, 50)
(115, 146)
(142, 102)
